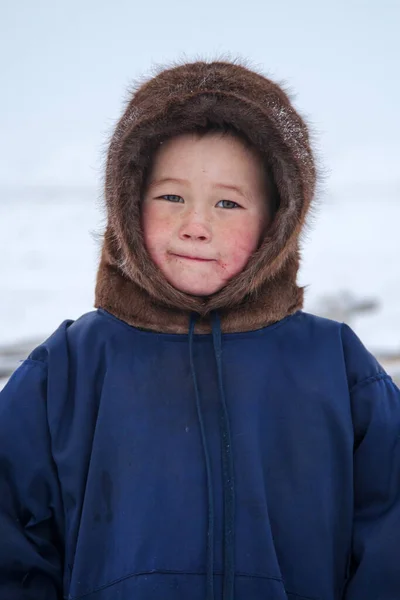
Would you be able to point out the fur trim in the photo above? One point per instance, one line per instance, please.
(178, 100)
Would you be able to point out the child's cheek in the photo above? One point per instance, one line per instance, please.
(241, 242)
(157, 226)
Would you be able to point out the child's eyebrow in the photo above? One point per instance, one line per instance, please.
(233, 188)
(168, 180)
(220, 186)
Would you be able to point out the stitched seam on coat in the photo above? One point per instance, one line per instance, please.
(32, 362)
(169, 572)
(182, 337)
(369, 380)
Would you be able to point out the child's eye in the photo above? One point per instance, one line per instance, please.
(228, 204)
(172, 198)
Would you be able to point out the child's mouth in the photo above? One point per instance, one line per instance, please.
(195, 258)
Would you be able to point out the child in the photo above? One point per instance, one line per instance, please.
(198, 436)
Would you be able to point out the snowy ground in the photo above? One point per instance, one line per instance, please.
(354, 246)
(48, 258)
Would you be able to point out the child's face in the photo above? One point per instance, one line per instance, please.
(204, 211)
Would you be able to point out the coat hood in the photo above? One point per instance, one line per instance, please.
(179, 100)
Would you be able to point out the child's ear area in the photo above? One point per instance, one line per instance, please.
(272, 198)
(272, 203)
(144, 217)
(265, 229)
(145, 193)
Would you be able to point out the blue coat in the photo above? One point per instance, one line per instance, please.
(116, 455)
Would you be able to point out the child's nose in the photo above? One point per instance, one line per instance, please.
(195, 227)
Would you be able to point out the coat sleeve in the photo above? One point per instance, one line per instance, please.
(30, 504)
(374, 569)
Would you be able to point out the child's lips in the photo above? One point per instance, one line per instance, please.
(193, 258)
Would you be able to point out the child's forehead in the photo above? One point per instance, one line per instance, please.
(221, 160)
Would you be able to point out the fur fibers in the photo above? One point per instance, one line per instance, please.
(179, 100)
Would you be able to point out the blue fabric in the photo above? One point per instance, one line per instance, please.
(103, 476)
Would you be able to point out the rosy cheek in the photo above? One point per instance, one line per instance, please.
(156, 227)
(241, 243)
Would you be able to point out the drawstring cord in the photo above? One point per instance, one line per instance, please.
(227, 470)
(210, 492)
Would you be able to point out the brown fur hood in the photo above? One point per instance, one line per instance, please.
(177, 100)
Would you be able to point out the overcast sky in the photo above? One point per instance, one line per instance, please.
(66, 64)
